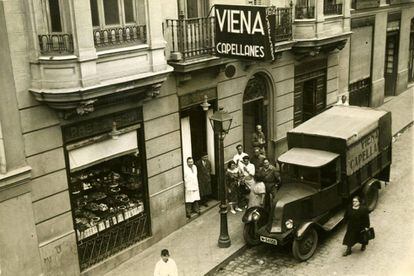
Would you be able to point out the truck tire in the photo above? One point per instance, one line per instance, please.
(304, 248)
(249, 234)
(371, 197)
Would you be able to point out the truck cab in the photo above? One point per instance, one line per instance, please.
(323, 168)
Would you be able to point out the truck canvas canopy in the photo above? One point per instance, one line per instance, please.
(307, 157)
(344, 122)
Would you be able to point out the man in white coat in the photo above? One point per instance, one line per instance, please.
(166, 266)
(192, 194)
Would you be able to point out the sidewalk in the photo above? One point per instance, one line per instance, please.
(402, 109)
(194, 246)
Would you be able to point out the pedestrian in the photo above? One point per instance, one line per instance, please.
(166, 266)
(238, 157)
(248, 171)
(257, 158)
(358, 220)
(257, 192)
(343, 100)
(204, 178)
(233, 178)
(192, 194)
(259, 139)
(270, 176)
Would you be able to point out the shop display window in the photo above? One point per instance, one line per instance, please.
(107, 194)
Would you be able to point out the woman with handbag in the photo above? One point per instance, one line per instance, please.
(233, 178)
(358, 222)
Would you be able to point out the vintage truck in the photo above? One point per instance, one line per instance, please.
(341, 152)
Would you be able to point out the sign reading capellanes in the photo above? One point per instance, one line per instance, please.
(362, 152)
(243, 32)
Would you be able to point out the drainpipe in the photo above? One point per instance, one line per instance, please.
(2, 154)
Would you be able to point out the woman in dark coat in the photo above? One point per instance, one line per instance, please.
(358, 220)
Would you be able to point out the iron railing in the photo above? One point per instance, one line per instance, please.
(118, 36)
(283, 26)
(305, 9)
(100, 246)
(56, 43)
(194, 37)
(190, 37)
(330, 7)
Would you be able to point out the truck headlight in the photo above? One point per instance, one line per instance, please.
(255, 216)
(289, 224)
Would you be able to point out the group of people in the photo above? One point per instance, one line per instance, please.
(197, 183)
(250, 179)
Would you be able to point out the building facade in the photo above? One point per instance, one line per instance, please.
(100, 106)
(378, 52)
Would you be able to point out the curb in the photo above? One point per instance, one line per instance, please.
(403, 129)
(226, 261)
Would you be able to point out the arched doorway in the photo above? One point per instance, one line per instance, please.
(255, 110)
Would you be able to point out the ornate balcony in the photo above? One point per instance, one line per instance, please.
(56, 44)
(331, 7)
(283, 24)
(121, 35)
(190, 38)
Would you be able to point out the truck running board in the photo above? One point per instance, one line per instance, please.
(334, 220)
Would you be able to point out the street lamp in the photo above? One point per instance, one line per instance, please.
(220, 122)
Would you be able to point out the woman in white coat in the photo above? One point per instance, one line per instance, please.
(192, 194)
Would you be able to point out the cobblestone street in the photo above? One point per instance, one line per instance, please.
(391, 253)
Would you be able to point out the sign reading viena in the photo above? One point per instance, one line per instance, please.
(243, 32)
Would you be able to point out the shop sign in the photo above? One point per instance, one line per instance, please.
(362, 152)
(244, 32)
(96, 126)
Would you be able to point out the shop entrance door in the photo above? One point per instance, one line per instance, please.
(197, 139)
(255, 106)
(391, 63)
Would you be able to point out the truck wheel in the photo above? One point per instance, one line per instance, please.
(304, 248)
(249, 234)
(371, 198)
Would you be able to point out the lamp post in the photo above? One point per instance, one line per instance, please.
(220, 122)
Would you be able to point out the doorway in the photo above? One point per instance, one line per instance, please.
(310, 96)
(391, 63)
(255, 110)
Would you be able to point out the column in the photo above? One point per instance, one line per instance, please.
(404, 44)
(155, 36)
(83, 41)
(378, 60)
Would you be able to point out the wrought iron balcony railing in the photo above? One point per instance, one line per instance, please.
(190, 38)
(305, 9)
(194, 37)
(332, 8)
(120, 36)
(55, 44)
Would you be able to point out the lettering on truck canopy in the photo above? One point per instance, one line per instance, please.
(362, 152)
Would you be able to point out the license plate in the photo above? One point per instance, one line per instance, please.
(268, 240)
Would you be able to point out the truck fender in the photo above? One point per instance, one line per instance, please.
(301, 230)
(373, 182)
(247, 217)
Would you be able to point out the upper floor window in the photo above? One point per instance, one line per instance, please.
(117, 12)
(54, 10)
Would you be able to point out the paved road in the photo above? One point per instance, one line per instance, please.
(391, 253)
